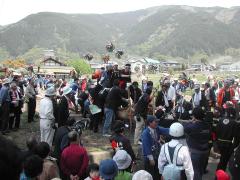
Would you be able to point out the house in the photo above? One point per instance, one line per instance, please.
(52, 66)
(229, 66)
(172, 64)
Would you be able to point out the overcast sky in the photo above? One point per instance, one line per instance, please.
(13, 10)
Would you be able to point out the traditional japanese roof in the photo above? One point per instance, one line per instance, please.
(56, 61)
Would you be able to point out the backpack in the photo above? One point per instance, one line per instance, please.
(172, 171)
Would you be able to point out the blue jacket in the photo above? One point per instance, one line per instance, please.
(4, 95)
(148, 142)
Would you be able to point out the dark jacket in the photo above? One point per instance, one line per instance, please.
(141, 108)
(135, 94)
(227, 129)
(61, 132)
(63, 111)
(160, 99)
(198, 135)
(114, 99)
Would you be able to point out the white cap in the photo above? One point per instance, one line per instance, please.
(176, 130)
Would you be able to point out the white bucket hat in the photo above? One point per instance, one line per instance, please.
(50, 92)
(142, 175)
(67, 90)
(122, 159)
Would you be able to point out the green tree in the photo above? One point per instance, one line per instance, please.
(80, 65)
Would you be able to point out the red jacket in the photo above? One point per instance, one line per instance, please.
(74, 160)
(221, 95)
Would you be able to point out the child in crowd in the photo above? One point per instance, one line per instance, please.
(93, 172)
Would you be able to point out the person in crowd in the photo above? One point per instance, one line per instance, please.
(225, 94)
(74, 158)
(30, 97)
(84, 84)
(209, 96)
(198, 136)
(5, 101)
(198, 98)
(31, 144)
(63, 107)
(15, 107)
(151, 145)
(93, 172)
(0, 84)
(83, 96)
(10, 159)
(60, 133)
(50, 82)
(61, 86)
(124, 90)
(125, 74)
(227, 131)
(140, 114)
(115, 73)
(47, 119)
(105, 80)
(120, 141)
(149, 85)
(176, 152)
(236, 97)
(40, 81)
(108, 169)
(123, 161)
(142, 175)
(213, 96)
(234, 164)
(113, 101)
(171, 94)
(32, 167)
(75, 86)
(95, 100)
(50, 168)
(162, 104)
(135, 92)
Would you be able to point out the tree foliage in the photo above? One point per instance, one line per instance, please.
(15, 64)
(80, 65)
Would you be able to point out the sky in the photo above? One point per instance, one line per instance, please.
(12, 11)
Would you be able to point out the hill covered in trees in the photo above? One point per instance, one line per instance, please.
(176, 31)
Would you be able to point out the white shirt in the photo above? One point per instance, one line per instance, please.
(182, 158)
(46, 109)
(171, 94)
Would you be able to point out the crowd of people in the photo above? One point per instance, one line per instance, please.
(175, 133)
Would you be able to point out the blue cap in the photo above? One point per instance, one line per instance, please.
(108, 169)
(151, 118)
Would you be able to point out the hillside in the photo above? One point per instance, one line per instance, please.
(177, 31)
